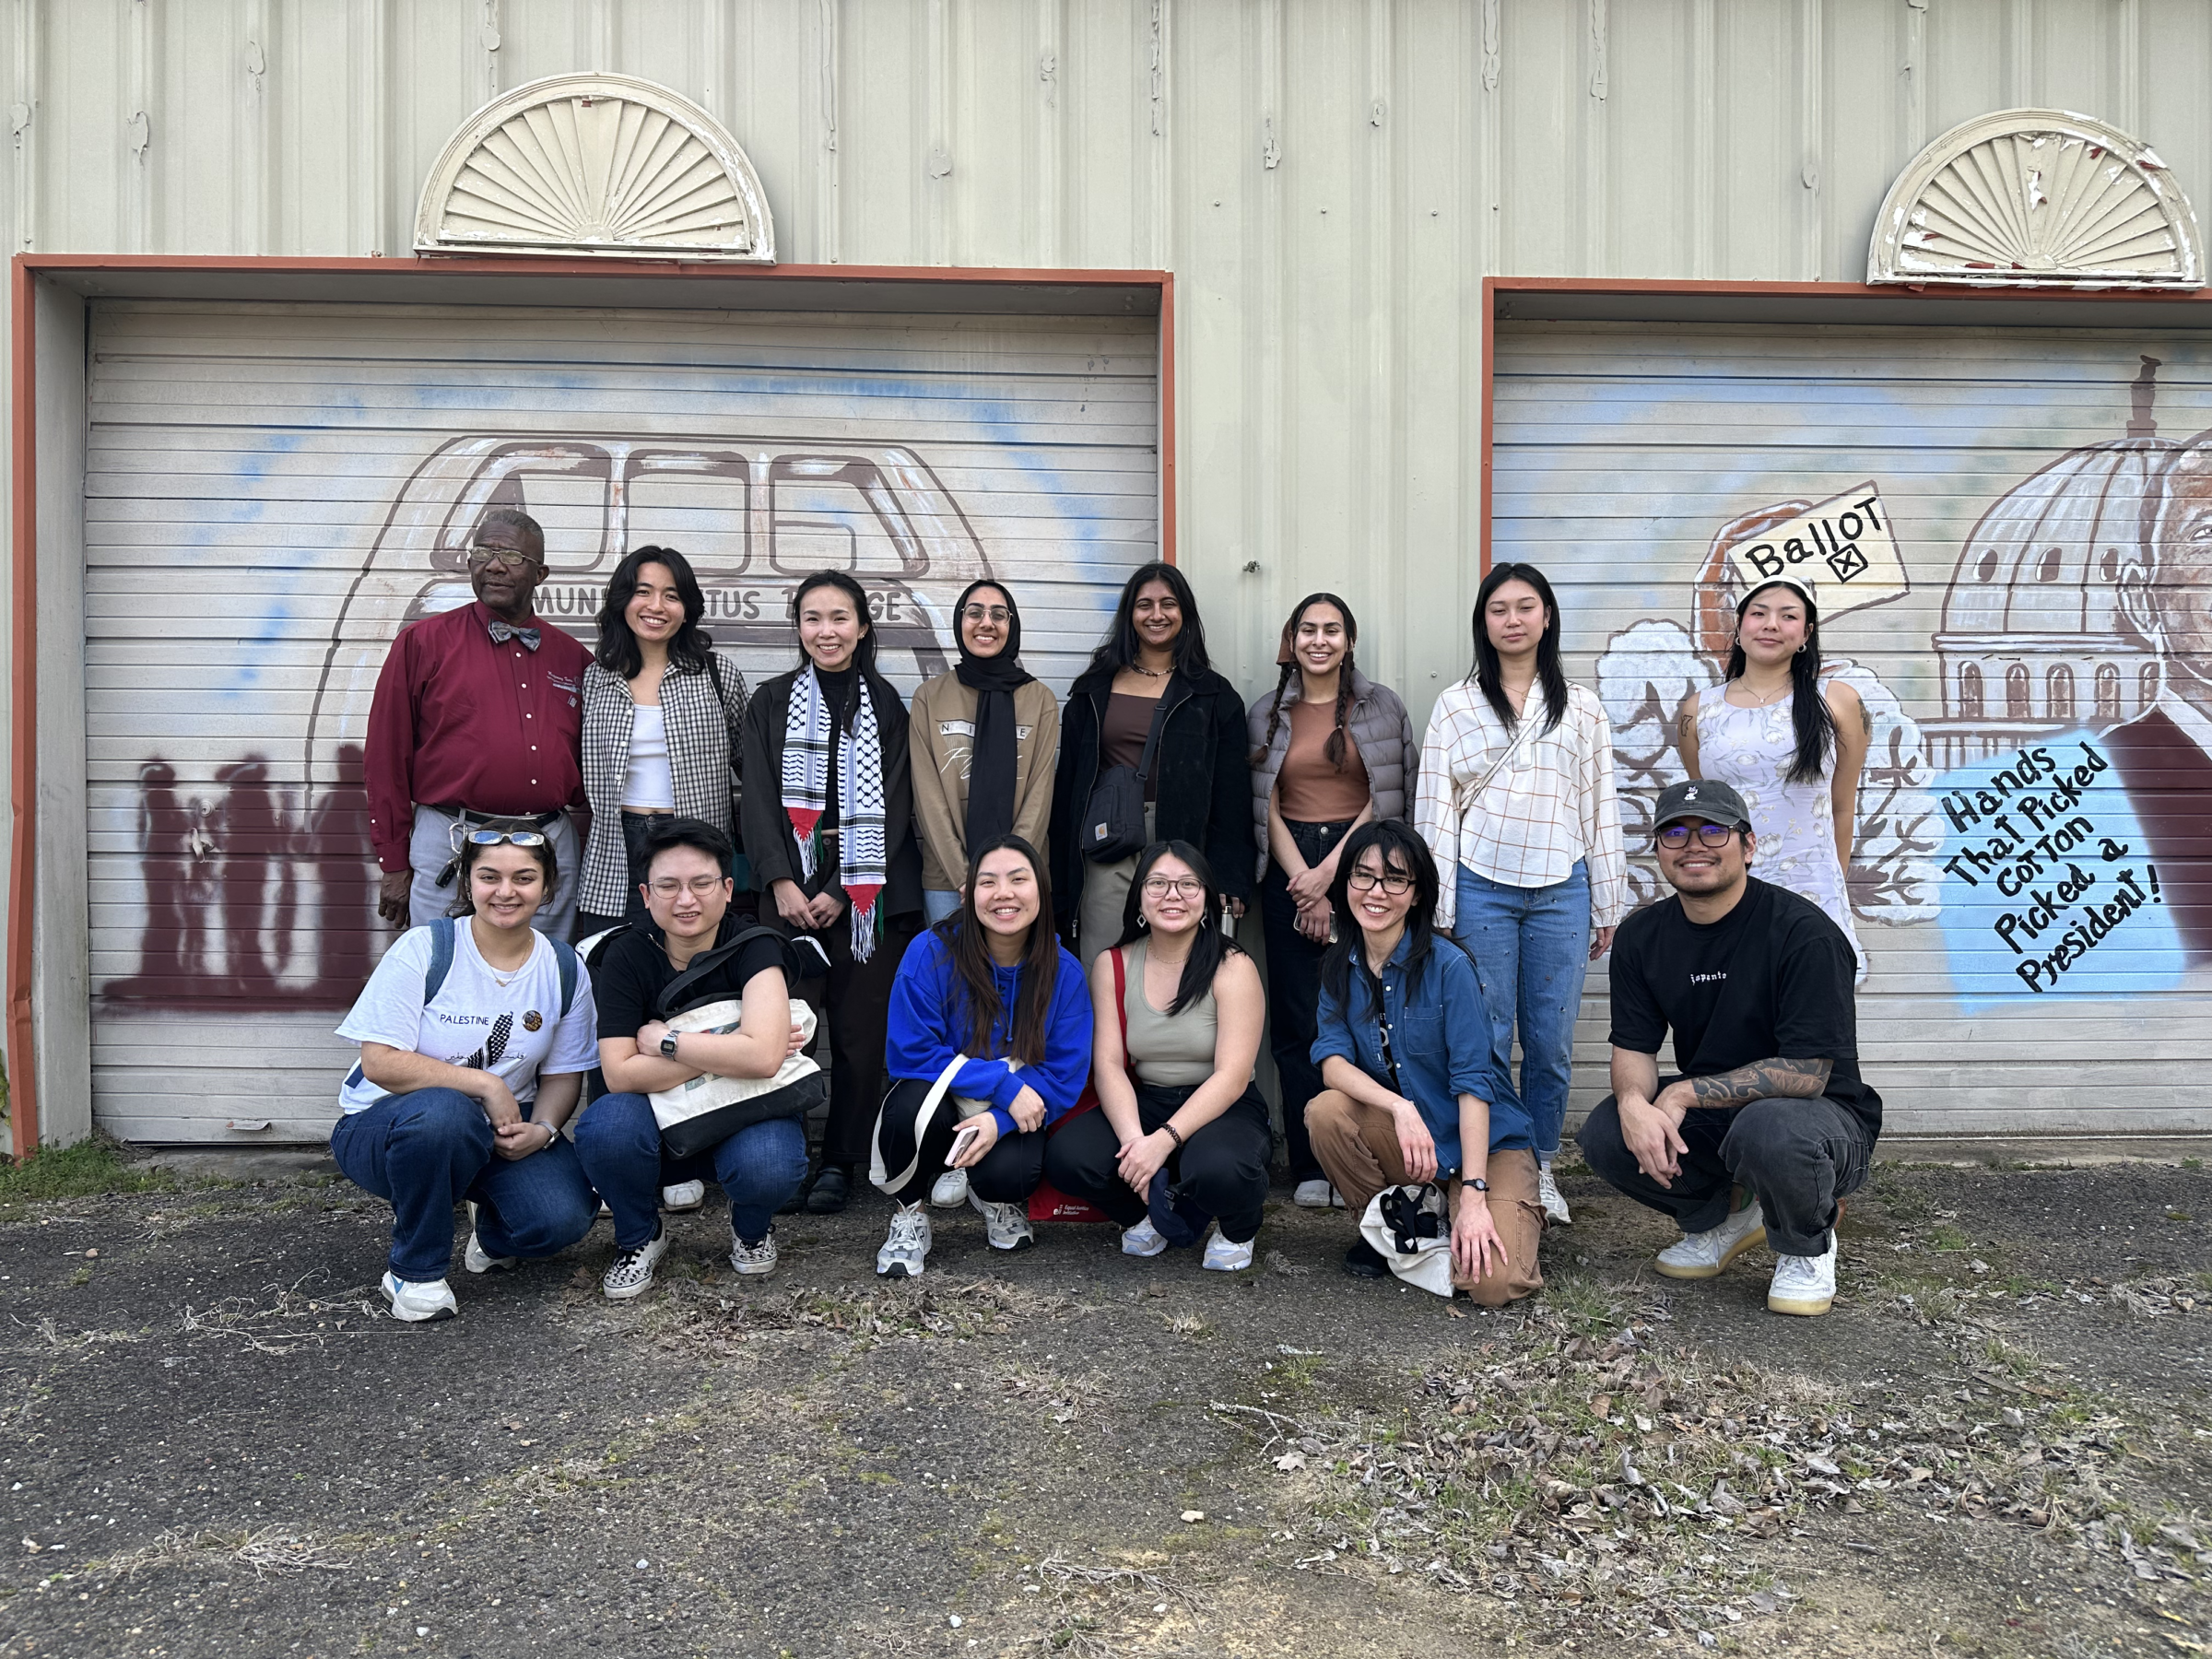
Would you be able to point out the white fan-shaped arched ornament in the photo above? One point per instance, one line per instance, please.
(2036, 198)
(602, 165)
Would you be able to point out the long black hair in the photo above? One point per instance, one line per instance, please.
(1400, 846)
(619, 652)
(1487, 674)
(971, 960)
(1335, 748)
(1816, 726)
(864, 652)
(1208, 947)
(1117, 651)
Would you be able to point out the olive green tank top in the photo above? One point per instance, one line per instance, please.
(1168, 1053)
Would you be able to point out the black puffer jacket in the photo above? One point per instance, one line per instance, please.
(1202, 792)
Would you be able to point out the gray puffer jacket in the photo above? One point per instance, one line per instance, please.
(1382, 731)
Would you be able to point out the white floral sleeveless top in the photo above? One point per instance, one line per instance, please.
(1752, 749)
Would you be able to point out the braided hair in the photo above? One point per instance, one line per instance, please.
(1335, 748)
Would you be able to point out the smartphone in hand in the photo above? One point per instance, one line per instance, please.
(969, 1134)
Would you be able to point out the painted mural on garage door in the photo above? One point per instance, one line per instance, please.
(2039, 680)
(235, 843)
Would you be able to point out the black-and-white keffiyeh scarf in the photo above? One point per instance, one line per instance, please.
(810, 735)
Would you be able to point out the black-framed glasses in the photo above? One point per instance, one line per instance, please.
(514, 838)
(1393, 882)
(511, 558)
(1183, 886)
(1674, 837)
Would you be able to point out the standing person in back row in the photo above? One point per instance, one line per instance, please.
(828, 827)
(1331, 750)
(1791, 746)
(1149, 724)
(477, 724)
(1769, 1123)
(1518, 809)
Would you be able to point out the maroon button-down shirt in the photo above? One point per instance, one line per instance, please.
(460, 722)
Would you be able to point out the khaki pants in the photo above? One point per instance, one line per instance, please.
(1358, 1147)
(1105, 894)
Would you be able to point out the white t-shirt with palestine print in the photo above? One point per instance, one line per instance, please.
(512, 1031)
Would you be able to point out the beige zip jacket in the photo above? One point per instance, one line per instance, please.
(941, 733)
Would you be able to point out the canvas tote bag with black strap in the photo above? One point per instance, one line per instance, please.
(707, 1110)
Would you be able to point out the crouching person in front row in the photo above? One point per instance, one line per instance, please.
(475, 1032)
(1769, 1123)
(1405, 1052)
(989, 1043)
(691, 937)
(1181, 1140)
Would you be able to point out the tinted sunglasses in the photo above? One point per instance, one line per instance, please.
(516, 838)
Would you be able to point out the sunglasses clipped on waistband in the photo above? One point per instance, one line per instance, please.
(515, 838)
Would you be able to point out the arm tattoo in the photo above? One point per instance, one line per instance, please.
(1867, 720)
(1795, 1079)
(1685, 726)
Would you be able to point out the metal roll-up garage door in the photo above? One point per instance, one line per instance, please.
(272, 492)
(2032, 882)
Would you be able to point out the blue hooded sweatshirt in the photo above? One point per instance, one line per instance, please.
(929, 1025)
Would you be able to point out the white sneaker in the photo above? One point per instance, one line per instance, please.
(950, 1191)
(1550, 1196)
(415, 1300)
(1703, 1255)
(476, 1258)
(754, 1259)
(906, 1246)
(631, 1273)
(1006, 1225)
(1143, 1239)
(1316, 1194)
(1222, 1257)
(1804, 1285)
(684, 1195)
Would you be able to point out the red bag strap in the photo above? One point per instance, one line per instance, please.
(1121, 1003)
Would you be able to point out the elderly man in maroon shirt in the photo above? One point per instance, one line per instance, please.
(477, 724)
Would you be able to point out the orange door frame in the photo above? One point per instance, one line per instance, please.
(28, 268)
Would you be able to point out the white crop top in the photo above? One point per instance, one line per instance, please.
(649, 782)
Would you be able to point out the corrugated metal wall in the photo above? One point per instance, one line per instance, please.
(1328, 179)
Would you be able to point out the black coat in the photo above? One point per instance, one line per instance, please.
(768, 843)
(1202, 771)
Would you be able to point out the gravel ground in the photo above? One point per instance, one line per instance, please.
(212, 1441)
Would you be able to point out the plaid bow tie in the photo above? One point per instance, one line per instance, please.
(501, 632)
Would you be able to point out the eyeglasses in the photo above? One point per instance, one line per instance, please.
(514, 838)
(668, 887)
(510, 559)
(998, 613)
(1674, 837)
(1393, 882)
(1186, 887)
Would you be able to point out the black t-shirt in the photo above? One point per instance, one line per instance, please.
(1772, 978)
(633, 969)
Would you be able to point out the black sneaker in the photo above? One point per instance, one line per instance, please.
(1364, 1261)
(831, 1189)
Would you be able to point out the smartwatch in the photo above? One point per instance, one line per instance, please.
(668, 1045)
(1478, 1182)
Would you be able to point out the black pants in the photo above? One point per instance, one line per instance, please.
(1796, 1156)
(1223, 1170)
(1008, 1173)
(634, 826)
(1294, 993)
(858, 997)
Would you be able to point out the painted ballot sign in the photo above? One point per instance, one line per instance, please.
(1843, 549)
(2048, 888)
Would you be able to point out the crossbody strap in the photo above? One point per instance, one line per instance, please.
(1466, 795)
(707, 964)
(1159, 718)
(879, 1177)
(1121, 1004)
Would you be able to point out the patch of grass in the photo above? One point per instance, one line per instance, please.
(2193, 1163)
(88, 1169)
(1946, 1237)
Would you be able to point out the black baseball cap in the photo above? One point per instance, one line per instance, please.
(1701, 798)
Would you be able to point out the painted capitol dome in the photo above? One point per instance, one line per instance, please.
(2031, 641)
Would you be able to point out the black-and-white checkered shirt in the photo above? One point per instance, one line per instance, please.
(701, 760)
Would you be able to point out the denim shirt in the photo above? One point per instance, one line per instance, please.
(1440, 1038)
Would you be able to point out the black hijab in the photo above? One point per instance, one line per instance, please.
(993, 681)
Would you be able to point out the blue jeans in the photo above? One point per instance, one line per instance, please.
(428, 1150)
(936, 906)
(759, 1167)
(1531, 947)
